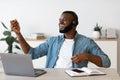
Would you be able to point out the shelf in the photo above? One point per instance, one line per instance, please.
(31, 39)
(106, 39)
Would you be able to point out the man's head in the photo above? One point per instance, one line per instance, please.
(67, 21)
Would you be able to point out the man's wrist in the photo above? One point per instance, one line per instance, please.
(18, 34)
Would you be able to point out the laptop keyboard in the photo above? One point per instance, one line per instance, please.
(39, 71)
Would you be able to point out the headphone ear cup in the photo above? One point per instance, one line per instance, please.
(74, 22)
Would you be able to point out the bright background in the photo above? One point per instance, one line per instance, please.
(43, 15)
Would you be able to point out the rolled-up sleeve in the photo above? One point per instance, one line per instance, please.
(96, 50)
(105, 61)
(38, 51)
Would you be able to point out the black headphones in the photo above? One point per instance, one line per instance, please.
(74, 23)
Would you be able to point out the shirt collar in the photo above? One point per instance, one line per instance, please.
(76, 35)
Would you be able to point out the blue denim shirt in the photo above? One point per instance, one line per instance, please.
(51, 49)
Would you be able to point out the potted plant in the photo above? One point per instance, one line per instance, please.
(97, 31)
(9, 39)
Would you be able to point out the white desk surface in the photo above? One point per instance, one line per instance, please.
(59, 74)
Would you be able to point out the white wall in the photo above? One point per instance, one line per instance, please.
(43, 15)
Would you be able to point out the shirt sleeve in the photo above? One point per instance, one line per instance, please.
(39, 51)
(96, 50)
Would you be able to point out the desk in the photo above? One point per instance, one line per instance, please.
(59, 74)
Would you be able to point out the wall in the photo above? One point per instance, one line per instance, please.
(43, 15)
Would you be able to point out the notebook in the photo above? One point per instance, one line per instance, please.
(85, 71)
(19, 65)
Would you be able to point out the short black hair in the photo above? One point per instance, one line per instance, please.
(74, 15)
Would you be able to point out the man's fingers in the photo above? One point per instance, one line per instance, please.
(14, 24)
(75, 59)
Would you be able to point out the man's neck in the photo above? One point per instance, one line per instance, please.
(70, 35)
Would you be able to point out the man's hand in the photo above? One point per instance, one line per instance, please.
(15, 26)
(78, 58)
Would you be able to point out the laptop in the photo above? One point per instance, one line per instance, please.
(19, 65)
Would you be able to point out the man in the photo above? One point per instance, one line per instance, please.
(70, 50)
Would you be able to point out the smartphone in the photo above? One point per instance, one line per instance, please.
(77, 70)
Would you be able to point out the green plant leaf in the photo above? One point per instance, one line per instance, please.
(3, 39)
(10, 40)
(4, 25)
(7, 33)
(16, 46)
(97, 27)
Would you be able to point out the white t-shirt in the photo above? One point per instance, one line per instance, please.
(65, 54)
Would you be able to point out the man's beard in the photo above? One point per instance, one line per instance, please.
(67, 28)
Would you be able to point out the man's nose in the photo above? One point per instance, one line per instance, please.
(61, 22)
